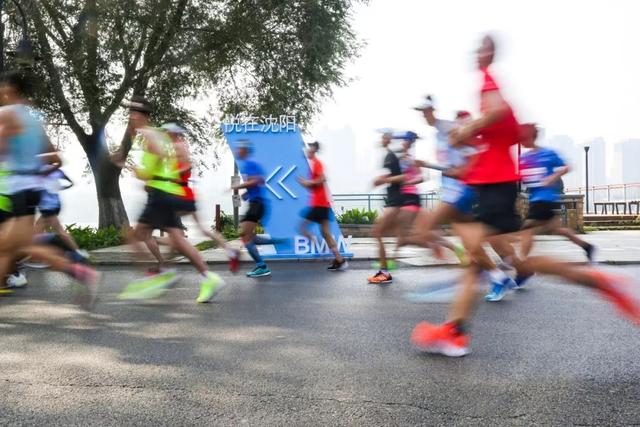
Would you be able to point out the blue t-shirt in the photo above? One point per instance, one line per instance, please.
(535, 166)
(250, 168)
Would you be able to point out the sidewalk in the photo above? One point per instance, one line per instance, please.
(614, 247)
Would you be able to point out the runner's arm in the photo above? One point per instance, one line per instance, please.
(495, 109)
(551, 179)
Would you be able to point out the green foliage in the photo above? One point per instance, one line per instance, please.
(89, 238)
(357, 216)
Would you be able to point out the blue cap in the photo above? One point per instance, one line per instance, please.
(406, 136)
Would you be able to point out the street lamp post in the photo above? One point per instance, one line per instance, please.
(586, 173)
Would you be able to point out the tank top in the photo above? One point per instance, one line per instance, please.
(163, 170)
(411, 172)
(23, 162)
(184, 182)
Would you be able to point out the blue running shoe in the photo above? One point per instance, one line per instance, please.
(499, 289)
(259, 272)
(521, 280)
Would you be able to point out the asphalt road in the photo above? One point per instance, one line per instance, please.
(308, 347)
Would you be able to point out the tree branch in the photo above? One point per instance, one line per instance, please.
(56, 81)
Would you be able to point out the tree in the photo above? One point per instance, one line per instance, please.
(252, 57)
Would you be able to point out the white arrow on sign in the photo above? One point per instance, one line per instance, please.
(284, 187)
(280, 183)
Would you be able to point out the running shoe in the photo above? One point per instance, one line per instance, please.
(209, 287)
(391, 265)
(590, 250)
(499, 289)
(89, 278)
(380, 278)
(521, 280)
(259, 271)
(234, 261)
(17, 280)
(440, 339)
(149, 287)
(338, 266)
(612, 287)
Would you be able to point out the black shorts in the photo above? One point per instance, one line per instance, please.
(496, 206)
(394, 200)
(317, 214)
(25, 203)
(411, 200)
(255, 212)
(160, 211)
(185, 206)
(542, 211)
(50, 212)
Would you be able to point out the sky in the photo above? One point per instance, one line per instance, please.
(569, 65)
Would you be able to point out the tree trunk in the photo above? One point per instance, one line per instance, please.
(110, 205)
(106, 175)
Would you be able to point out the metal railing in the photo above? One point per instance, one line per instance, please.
(375, 201)
(600, 196)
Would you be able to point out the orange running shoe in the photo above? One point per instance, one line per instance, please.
(612, 287)
(380, 278)
(440, 339)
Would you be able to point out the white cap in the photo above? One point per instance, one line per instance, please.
(427, 102)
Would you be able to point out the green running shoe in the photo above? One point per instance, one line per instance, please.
(149, 287)
(209, 287)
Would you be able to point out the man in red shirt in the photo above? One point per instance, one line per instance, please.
(319, 210)
(494, 178)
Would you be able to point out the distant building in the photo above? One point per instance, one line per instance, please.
(628, 155)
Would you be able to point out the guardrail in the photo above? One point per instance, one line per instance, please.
(375, 201)
(617, 198)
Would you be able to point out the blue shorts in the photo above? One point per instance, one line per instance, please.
(462, 198)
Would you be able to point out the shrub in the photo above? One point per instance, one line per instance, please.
(90, 238)
(357, 216)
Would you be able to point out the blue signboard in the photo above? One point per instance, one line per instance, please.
(280, 152)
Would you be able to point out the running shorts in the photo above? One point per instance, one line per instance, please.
(183, 205)
(160, 212)
(318, 214)
(255, 212)
(25, 202)
(542, 211)
(496, 206)
(461, 198)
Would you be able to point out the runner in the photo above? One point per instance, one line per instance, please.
(319, 210)
(388, 221)
(186, 205)
(50, 207)
(159, 171)
(23, 141)
(493, 177)
(253, 177)
(541, 169)
(456, 198)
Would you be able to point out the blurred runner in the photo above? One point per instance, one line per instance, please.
(159, 171)
(50, 207)
(493, 177)
(23, 143)
(319, 210)
(541, 169)
(186, 204)
(253, 177)
(388, 221)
